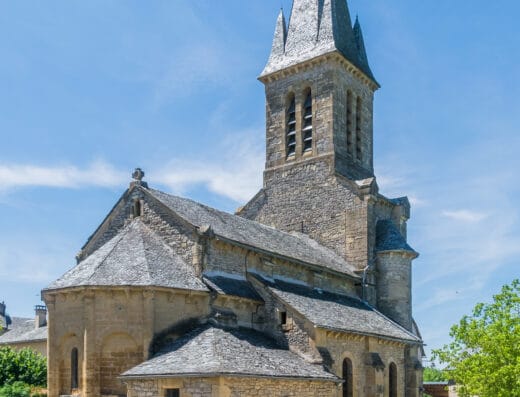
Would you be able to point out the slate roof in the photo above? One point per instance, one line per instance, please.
(212, 351)
(23, 330)
(389, 238)
(136, 256)
(227, 285)
(317, 28)
(253, 234)
(338, 312)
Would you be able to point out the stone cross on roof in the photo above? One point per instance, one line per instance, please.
(138, 176)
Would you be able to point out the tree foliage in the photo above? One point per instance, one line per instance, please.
(16, 389)
(484, 356)
(22, 366)
(432, 374)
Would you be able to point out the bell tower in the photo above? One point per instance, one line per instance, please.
(319, 91)
(319, 172)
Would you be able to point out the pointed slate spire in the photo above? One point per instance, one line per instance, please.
(303, 27)
(361, 51)
(336, 27)
(316, 27)
(280, 37)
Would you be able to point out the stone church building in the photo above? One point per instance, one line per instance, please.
(305, 291)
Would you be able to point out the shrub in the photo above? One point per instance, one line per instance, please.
(16, 389)
(24, 366)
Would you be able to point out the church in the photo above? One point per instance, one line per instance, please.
(304, 291)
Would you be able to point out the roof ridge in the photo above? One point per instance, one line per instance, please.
(141, 225)
(119, 236)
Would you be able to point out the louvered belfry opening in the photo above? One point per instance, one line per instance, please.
(291, 127)
(307, 123)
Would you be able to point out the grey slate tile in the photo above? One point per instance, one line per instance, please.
(317, 28)
(23, 330)
(238, 352)
(254, 234)
(388, 238)
(136, 256)
(337, 312)
(231, 286)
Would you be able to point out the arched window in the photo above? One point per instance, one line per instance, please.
(350, 132)
(359, 141)
(348, 377)
(307, 123)
(291, 127)
(392, 380)
(74, 379)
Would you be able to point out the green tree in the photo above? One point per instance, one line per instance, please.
(22, 366)
(432, 374)
(17, 389)
(484, 356)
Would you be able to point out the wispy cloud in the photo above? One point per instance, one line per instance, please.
(236, 174)
(99, 173)
(465, 215)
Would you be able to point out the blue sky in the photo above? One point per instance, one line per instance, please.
(89, 90)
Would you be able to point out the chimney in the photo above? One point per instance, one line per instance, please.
(2, 309)
(41, 316)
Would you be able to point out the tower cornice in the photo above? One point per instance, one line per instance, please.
(319, 60)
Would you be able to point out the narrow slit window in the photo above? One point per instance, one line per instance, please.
(283, 318)
(348, 377)
(74, 373)
(392, 380)
(291, 128)
(359, 137)
(307, 123)
(350, 141)
(137, 209)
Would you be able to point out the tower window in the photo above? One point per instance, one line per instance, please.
(74, 380)
(350, 132)
(348, 377)
(359, 141)
(291, 127)
(307, 123)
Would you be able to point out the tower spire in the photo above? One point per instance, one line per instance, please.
(316, 27)
(361, 51)
(280, 37)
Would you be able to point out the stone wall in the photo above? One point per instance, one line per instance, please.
(36, 346)
(113, 330)
(369, 379)
(233, 387)
(175, 232)
(394, 274)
